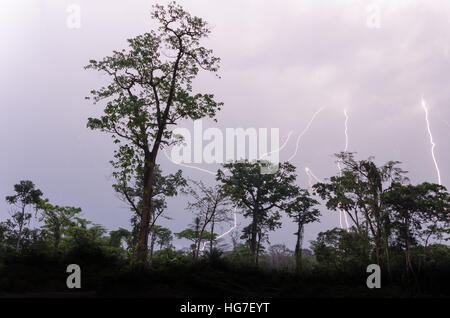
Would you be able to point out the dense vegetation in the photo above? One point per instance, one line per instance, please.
(408, 222)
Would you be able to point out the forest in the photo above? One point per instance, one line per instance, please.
(400, 226)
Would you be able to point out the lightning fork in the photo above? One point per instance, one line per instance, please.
(304, 132)
(340, 169)
(433, 145)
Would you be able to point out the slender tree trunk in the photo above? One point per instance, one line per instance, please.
(257, 252)
(407, 258)
(424, 253)
(386, 243)
(258, 247)
(197, 249)
(19, 235)
(253, 240)
(377, 250)
(409, 267)
(194, 248)
(152, 245)
(298, 248)
(375, 234)
(211, 242)
(377, 238)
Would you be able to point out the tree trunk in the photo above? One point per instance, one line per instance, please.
(152, 245)
(211, 242)
(197, 247)
(407, 258)
(424, 253)
(258, 245)
(197, 250)
(142, 249)
(377, 238)
(386, 243)
(19, 235)
(377, 250)
(298, 249)
(253, 239)
(409, 267)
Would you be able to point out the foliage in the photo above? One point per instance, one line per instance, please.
(163, 237)
(197, 237)
(342, 251)
(358, 191)
(260, 196)
(26, 195)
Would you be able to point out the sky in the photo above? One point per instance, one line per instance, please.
(281, 61)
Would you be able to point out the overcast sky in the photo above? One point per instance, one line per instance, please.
(281, 62)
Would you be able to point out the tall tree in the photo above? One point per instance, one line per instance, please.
(413, 207)
(358, 191)
(302, 211)
(260, 196)
(150, 89)
(26, 195)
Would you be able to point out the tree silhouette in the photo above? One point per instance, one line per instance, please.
(150, 89)
(26, 195)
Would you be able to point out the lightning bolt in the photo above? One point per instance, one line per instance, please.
(280, 148)
(304, 132)
(340, 169)
(311, 176)
(433, 145)
(308, 171)
(346, 129)
(223, 234)
(187, 166)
